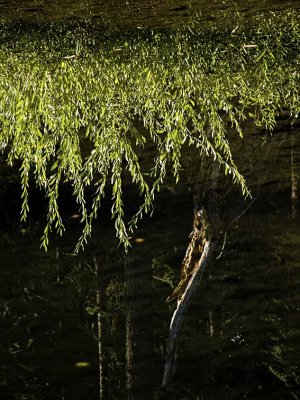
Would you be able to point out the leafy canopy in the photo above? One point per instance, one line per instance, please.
(72, 99)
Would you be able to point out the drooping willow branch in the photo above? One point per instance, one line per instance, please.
(69, 99)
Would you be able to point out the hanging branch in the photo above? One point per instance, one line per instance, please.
(70, 98)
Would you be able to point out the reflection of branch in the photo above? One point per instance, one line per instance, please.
(164, 280)
(129, 285)
(223, 246)
(271, 164)
(99, 329)
(244, 211)
(182, 303)
(294, 175)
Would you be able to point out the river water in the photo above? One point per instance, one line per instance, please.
(241, 335)
(153, 13)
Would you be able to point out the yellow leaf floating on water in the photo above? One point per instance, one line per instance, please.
(82, 364)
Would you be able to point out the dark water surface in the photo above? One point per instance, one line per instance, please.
(141, 13)
(241, 335)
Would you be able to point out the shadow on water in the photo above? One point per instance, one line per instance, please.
(240, 337)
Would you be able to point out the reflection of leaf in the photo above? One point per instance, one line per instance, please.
(91, 310)
(26, 368)
(289, 377)
(4, 309)
(287, 245)
(163, 272)
(283, 364)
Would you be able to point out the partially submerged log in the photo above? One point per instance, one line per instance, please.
(198, 237)
(204, 237)
(198, 255)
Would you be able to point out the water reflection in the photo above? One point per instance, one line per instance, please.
(140, 13)
(240, 338)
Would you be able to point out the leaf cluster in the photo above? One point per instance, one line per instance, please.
(72, 98)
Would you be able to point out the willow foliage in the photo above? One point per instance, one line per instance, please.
(72, 98)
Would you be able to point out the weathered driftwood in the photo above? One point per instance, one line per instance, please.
(182, 304)
(198, 237)
(202, 245)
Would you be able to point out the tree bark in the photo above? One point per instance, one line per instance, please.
(182, 304)
(203, 242)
